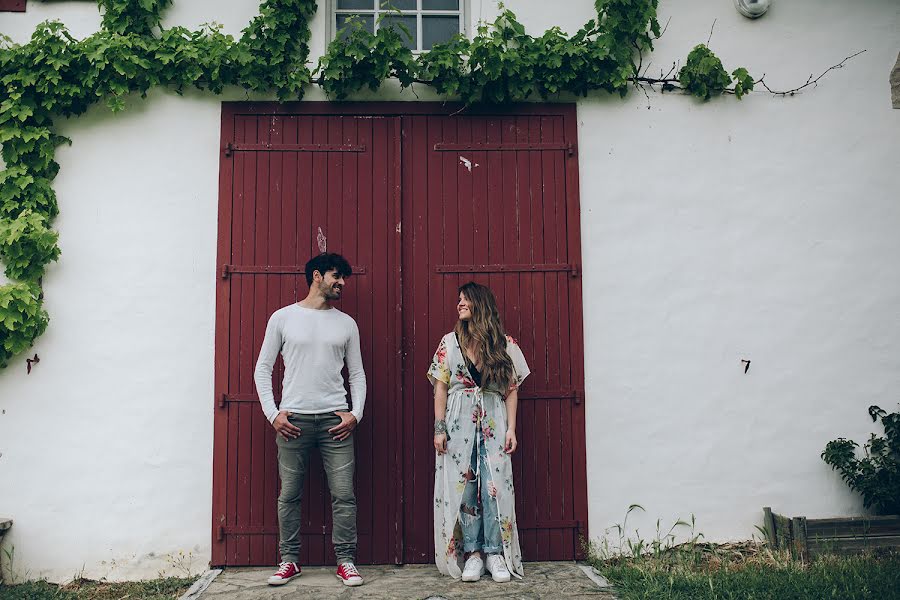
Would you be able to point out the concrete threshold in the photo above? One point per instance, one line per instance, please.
(550, 580)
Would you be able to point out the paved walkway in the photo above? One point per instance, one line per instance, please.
(556, 580)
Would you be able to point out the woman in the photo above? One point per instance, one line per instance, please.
(476, 373)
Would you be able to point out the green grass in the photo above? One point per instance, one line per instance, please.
(749, 572)
(170, 588)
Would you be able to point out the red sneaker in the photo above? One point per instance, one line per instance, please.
(286, 571)
(347, 573)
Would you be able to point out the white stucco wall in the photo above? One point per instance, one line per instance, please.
(763, 230)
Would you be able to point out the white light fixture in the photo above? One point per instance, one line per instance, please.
(752, 9)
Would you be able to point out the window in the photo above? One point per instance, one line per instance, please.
(427, 22)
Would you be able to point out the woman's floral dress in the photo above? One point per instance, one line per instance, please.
(470, 407)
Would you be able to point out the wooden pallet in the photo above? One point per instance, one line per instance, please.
(807, 538)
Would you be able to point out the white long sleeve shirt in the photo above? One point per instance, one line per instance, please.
(314, 344)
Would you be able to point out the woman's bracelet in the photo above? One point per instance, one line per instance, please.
(440, 426)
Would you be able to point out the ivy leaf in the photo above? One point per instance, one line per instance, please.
(115, 103)
(743, 82)
(703, 74)
(27, 245)
(22, 319)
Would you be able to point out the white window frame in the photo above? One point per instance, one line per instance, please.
(462, 13)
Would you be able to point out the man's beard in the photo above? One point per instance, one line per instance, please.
(331, 292)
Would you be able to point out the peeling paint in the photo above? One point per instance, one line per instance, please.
(467, 163)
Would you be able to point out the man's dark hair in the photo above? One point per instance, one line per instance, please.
(327, 262)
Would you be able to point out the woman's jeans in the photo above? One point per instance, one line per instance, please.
(478, 516)
(339, 462)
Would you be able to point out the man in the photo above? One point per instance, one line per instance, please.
(315, 339)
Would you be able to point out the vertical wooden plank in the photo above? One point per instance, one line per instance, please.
(541, 473)
(480, 198)
(377, 207)
(334, 208)
(223, 306)
(421, 545)
(559, 475)
(358, 194)
(254, 289)
(411, 231)
(564, 507)
(551, 254)
(509, 225)
(246, 346)
(278, 214)
(242, 542)
(769, 525)
(526, 331)
(800, 549)
(395, 305)
(465, 211)
(783, 533)
(548, 305)
(537, 333)
(573, 216)
(435, 319)
(494, 213)
(319, 179)
(562, 257)
(561, 453)
(241, 196)
(414, 221)
(454, 236)
(309, 185)
(373, 217)
(267, 184)
(508, 220)
(538, 359)
(524, 328)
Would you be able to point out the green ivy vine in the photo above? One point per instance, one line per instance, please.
(56, 75)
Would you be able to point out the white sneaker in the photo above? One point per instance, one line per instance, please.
(497, 566)
(474, 568)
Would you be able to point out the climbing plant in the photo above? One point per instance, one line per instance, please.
(123, 17)
(55, 75)
(503, 63)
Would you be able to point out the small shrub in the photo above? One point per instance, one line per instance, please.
(877, 474)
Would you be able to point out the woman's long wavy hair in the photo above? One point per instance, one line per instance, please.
(484, 333)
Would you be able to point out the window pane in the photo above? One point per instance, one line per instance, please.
(440, 4)
(408, 36)
(438, 29)
(398, 4)
(356, 4)
(367, 22)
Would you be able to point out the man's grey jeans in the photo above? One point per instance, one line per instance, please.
(340, 464)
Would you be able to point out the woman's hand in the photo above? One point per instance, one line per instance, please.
(511, 442)
(440, 443)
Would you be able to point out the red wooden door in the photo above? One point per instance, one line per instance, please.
(494, 199)
(284, 178)
(491, 197)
